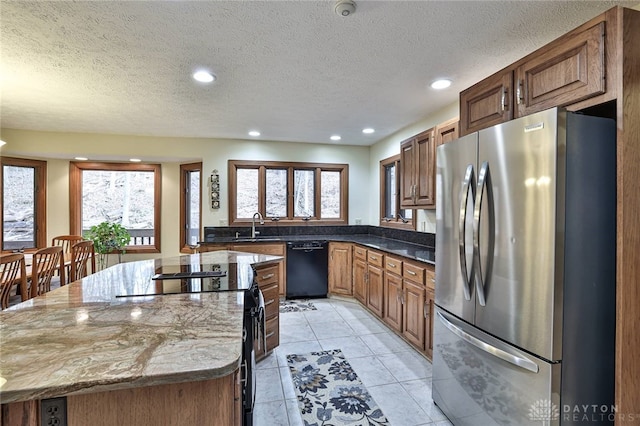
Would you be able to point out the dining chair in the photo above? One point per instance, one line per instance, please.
(12, 271)
(81, 254)
(45, 263)
(66, 241)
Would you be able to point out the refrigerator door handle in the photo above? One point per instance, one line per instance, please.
(467, 183)
(484, 346)
(484, 181)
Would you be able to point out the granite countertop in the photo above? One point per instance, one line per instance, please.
(81, 338)
(401, 248)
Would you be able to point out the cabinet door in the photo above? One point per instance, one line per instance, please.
(429, 312)
(393, 301)
(359, 284)
(375, 289)
(565, 72)
(487, 103)
(447, 131)
(407, 173)
(413, 313)
(425, 150)
(340, 265)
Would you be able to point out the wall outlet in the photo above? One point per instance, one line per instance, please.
(224, 222)
(358, 221)
(53, 412)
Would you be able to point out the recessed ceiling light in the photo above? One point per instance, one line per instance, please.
(441, 84)
(335, 138)
(81, 158)
(254, 133)
(135, 160)
(368, 130)
(203, 76)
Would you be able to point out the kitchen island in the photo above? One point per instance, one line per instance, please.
(121, 354)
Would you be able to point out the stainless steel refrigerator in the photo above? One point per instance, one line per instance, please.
(525, 273)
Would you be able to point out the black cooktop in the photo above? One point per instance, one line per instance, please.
(198, 278)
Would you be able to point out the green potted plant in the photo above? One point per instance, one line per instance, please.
(108, 237)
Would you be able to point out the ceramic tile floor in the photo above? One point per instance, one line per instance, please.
(396, 375)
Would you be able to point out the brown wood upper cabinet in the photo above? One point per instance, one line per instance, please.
(487, 103)
(566, 71)
(447, 131)
(563, 73)
(417, 159)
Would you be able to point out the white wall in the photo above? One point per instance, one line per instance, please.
(426, 220)
(215, 157)
(59, 148)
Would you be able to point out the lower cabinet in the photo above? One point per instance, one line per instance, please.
(368, 279)
(413, 301)
(268, 278)
(408, 301)
(429, 312)
(206, 402)
(340, 266)
(359, 274)
(275, 249)
(393, 301)
(375, 282)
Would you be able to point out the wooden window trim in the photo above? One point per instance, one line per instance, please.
(40, 213)
(395, 222)
(75, 197)
(185, 169)
(262, 166)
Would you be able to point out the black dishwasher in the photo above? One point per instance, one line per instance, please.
(307, 263)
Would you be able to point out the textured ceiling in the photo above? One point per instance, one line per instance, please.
(292, 69)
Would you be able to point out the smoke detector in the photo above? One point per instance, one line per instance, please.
(345, 7)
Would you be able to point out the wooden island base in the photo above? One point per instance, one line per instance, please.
(209, 402)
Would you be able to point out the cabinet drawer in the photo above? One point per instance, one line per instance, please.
(393, 265)
(430, 278)
(276, 249)
(267, 275)
(271, 300)
(360, 253)
(375, 258)
(273, 333)
(413, 272)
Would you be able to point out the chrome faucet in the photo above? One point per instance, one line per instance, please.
(253, 224)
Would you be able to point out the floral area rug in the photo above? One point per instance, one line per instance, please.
(296, 306)
(330, 393)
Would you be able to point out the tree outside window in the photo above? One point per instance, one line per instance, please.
(23, 204)
(190, 205)
(122, 193)
(391, 215)
(288, 192)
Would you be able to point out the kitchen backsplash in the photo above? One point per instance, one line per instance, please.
(422, 238)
